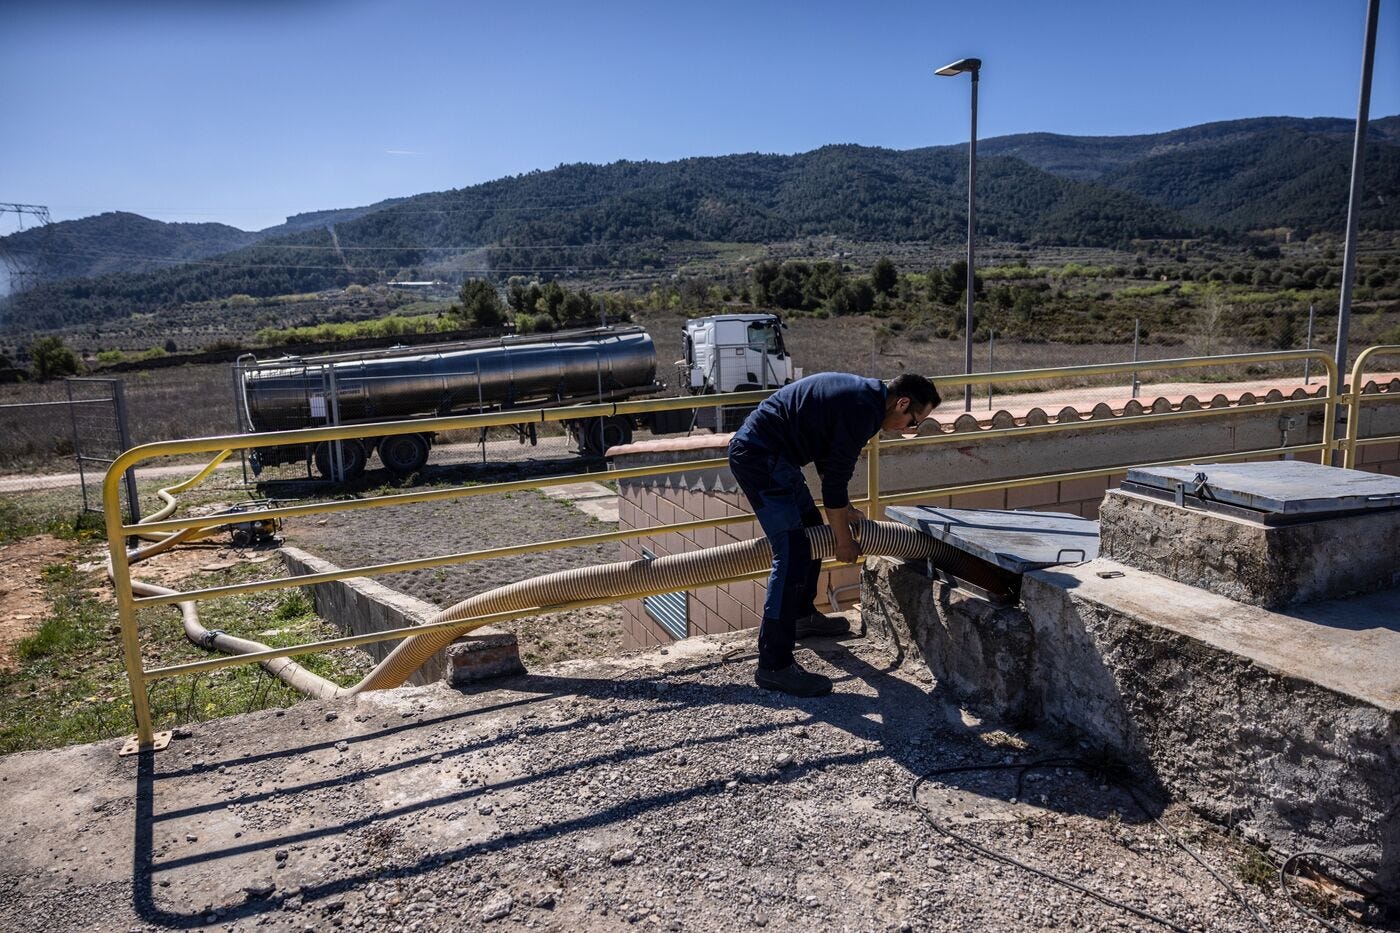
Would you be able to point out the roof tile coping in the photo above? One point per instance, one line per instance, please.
(704, 446)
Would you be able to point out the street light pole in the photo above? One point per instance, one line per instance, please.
(1358, 156)
(974, 67)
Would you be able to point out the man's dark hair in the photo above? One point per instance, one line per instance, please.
(918, 390)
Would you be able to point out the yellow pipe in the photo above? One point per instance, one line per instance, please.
(445, 560)
(460, 422)
(369, 638)
(437, 495)
(995, 485)
(875, 508)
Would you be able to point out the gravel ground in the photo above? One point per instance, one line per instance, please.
(352, 539)
(658, 792)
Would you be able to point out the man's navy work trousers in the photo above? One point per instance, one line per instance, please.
(777, 492)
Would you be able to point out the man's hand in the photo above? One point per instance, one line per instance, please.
(847, 548)
(847, 551)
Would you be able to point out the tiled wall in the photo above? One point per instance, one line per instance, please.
(645, 503)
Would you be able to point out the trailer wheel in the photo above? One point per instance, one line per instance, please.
(404, 453)
(352, 459)
(601, 433)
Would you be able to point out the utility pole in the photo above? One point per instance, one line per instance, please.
(19, 266)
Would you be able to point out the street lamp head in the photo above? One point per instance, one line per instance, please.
(959, 66)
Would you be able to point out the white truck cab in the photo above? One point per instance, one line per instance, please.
(736, 353)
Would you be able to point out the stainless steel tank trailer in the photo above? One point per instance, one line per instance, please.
(724, 353)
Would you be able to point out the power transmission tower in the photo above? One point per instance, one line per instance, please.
(26, 267)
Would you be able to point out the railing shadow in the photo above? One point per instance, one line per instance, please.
(879, 721)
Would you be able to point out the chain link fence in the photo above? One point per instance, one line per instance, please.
(52, 429)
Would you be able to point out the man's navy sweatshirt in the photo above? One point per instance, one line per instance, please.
(824, 419)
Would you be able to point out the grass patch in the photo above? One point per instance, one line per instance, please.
(22, 517)
(71, 686)
(1256, 869)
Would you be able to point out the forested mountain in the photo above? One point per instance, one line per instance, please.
(589, 219)
(1090, 158)
(117, 242)
(1286, 179)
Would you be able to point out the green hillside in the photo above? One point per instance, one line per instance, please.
(1089, 158)
(589, 218)
(1284, 179)
(592, 221)
(117, 242)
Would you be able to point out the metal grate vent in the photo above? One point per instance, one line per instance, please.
(671, 611)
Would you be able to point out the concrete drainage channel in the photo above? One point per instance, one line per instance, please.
(1236, 644)
(359, 606)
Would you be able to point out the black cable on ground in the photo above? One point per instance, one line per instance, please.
(1368, 886)
(1021, 769)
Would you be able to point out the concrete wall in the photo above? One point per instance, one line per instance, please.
(359, 606)
(1246, 423)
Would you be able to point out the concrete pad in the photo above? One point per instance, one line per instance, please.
(575, 491)
(651, 793)
(592, 499)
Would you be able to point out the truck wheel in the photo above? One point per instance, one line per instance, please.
(404, 453)
(352, 459)
(601, 433)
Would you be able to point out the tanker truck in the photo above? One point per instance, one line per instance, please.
(723, 353)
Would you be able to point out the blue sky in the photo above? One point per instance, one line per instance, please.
(245, 112)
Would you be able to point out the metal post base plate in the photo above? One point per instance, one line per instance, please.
(132, 745)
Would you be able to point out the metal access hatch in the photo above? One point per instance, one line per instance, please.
(1014, 541)
(1273, 493)
(999, 545)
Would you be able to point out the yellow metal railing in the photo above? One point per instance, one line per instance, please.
(1354, 441)
(128, 603)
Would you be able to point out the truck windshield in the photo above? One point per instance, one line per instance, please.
(765, 338)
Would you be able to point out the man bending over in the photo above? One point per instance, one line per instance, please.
(824, 419)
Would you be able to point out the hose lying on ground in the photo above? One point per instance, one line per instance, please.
(623, 580)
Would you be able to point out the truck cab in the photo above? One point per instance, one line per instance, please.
(736, 353)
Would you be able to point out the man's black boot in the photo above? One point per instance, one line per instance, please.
(794, 681)
(818, 625)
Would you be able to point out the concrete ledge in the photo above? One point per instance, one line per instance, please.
(359, 606)
(1286, 726)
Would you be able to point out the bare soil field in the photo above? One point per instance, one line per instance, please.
(352, 539)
